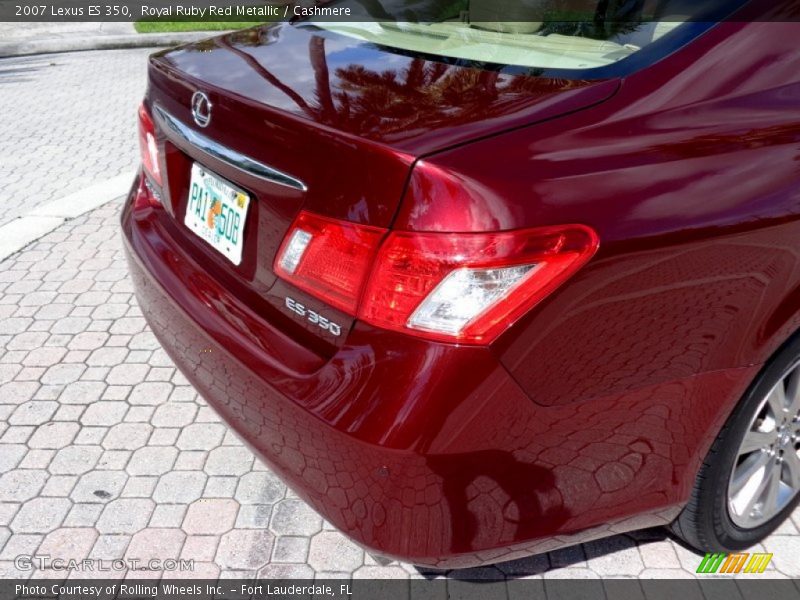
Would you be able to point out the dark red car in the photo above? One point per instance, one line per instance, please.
(479, 289)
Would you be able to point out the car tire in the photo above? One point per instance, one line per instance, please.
(709, 522)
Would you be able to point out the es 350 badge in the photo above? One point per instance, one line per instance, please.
(313, 317)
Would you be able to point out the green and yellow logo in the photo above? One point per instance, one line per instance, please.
(742, 562)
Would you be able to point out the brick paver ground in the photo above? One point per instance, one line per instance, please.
(68, 120)
(107, 452)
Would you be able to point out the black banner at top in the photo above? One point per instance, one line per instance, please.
(515, 11)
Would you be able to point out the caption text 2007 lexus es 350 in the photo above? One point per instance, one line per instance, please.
(479, 288)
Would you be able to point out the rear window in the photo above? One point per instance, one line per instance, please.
(545, 34)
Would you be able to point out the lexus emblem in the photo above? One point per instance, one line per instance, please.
(201, 109)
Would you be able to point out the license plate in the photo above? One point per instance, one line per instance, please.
(216, 211)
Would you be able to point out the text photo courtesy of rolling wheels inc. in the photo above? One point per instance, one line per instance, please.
(400, 299)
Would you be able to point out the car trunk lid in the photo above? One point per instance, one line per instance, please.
(344, 121)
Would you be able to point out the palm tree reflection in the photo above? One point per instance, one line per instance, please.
(381, 104)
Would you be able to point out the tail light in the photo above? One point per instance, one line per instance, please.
(328, 259)
(453, 287)
(148, 146)
(469, 287)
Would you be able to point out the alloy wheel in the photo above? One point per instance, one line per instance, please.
(766, 475)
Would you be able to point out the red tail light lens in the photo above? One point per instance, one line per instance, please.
(148, 146)
(469, 287)
(327, 258)
(454, 287)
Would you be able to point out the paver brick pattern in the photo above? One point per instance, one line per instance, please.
(106, 451)
(69, 120)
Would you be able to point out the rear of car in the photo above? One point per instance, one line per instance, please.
(352, 307)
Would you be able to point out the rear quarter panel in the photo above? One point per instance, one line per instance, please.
(690, 176)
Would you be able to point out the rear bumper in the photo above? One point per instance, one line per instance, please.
(422, 451)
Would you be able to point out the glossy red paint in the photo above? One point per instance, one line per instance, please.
(591, 414)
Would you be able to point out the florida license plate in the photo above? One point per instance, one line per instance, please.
(216, 211)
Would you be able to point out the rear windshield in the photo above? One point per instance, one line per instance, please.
(546, 34)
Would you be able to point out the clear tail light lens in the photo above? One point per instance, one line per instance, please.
(148, 146)
(453, 287)
(463, 295)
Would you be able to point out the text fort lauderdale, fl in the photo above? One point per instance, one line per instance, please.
(143, 590)
(181, 10)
